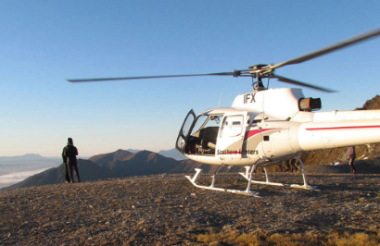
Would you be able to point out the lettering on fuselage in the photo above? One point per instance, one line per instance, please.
(240, 152)
(249, 98)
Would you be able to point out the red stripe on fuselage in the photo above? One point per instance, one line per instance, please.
(340, 128)
(252, 133)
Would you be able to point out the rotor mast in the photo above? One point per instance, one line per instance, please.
(255, 72)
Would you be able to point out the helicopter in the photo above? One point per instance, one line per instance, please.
(268, 125)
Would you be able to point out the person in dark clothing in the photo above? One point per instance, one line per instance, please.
(351, 156)
(289, 165)
(67, 177)
(69, 156)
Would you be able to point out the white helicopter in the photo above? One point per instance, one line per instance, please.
(267, 126)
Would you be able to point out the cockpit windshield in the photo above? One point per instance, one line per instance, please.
(205, 121)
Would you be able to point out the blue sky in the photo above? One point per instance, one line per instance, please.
(43, 43)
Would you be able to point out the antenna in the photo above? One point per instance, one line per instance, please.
(220, 99)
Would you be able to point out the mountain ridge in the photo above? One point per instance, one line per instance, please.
(124, 163)
(120, 163)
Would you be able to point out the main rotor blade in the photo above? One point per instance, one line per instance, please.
(328, 49)
(295, 82)
(234, 73)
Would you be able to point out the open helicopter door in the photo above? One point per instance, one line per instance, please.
(232, 135)
(185, 132)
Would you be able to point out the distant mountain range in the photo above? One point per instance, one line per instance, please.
(118, 164)
(29, 162)
(14, 169)
(21, 158)
(124, 163)
(173, 153)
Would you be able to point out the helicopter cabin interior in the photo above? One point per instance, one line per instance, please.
(202, 139)
(207, 129)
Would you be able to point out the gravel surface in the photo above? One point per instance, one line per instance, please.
(168, 210)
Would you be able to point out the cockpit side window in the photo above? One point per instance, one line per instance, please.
(232, 126)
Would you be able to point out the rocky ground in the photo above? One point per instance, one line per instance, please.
(168, 210)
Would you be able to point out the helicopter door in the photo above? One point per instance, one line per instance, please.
(232, 134)
(185, 132)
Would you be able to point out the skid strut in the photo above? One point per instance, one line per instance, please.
(248, 175)
(193, 180)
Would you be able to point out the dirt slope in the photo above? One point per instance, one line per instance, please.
(168, 210)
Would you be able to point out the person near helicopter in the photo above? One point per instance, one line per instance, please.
(69, 154)
(351, 156)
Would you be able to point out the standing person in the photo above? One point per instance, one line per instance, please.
(65, 165)
(67, 177)
(69, 156)
(351, 156)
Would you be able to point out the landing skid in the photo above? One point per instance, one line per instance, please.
(212, 186)
(248, 175)
(305, 185)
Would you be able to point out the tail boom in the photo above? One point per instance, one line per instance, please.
(340, 133)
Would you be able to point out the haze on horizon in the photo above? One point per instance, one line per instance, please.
(45, 43)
